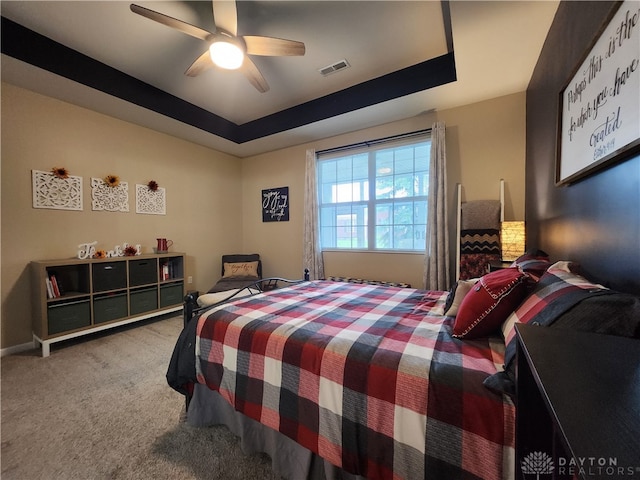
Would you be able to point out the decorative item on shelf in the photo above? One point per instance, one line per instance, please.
(151, 199)
(512, 238)
(121, 251)
(87, 250)
(163, 245)
(110, 194)
(56, 189)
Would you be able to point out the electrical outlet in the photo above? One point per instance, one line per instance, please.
(189, 279)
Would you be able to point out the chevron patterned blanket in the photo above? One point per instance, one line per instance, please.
(366, 376)
(478, 247)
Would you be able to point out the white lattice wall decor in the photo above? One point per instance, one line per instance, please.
(150, 201)
(111, 199)
(50, 191)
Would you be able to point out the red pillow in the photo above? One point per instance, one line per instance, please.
(492, 299)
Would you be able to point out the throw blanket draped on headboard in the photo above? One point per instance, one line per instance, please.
(479, 237)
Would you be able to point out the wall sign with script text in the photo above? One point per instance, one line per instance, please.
(275, 204)
(600, 105)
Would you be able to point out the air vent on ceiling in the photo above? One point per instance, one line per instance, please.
(334, 67)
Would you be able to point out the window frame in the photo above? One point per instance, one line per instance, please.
(371, 203)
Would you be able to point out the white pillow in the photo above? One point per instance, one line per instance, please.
(212, 298)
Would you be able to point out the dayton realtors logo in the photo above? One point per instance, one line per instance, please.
(539, 463)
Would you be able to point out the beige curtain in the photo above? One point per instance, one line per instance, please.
(436, 263)
(312, 255)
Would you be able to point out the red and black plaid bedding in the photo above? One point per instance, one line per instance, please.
(367, 377)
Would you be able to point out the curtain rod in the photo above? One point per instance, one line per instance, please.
(370, 143)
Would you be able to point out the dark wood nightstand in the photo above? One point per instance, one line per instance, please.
(578, 404)
(498, 265)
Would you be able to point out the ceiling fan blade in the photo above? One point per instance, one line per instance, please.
(225, 16)
(184, 27)
(254, 76)
(202, 63)
(270, 46)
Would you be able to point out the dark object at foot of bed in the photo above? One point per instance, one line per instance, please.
(181, 375)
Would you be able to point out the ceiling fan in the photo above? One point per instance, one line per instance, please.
(226, 48)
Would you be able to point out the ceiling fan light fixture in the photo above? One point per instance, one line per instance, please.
(225, 53)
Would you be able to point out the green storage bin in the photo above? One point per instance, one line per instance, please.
(171, 294)
(110, 307)
(143, 300)
(64, 317)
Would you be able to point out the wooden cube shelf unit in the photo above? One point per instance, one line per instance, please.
(75, 297)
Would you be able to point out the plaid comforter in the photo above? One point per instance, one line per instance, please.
(368, 377)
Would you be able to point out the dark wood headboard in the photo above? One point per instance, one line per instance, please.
(595, 221)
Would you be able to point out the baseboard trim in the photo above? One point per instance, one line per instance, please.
(16, 349)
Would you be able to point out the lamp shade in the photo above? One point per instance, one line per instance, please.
(512, 239)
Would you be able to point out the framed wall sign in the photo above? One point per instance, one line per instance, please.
(599, 118)
(275, 204)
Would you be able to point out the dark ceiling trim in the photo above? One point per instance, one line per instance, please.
(31, 47)
(422, 76)
(446, 20)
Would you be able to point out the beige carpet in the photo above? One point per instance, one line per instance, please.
(100, 408)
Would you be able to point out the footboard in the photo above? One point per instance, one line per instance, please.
(192, 308)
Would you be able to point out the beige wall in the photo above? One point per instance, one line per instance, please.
(39, 132)
(485, 142)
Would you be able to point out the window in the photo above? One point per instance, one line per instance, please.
(375, 197)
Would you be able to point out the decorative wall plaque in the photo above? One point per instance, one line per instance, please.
(50, 191)
(275, 204)
(149, 201)
(109, 198)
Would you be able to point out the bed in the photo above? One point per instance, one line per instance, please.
(353, 381)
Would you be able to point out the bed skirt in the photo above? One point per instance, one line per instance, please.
(288, 459)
